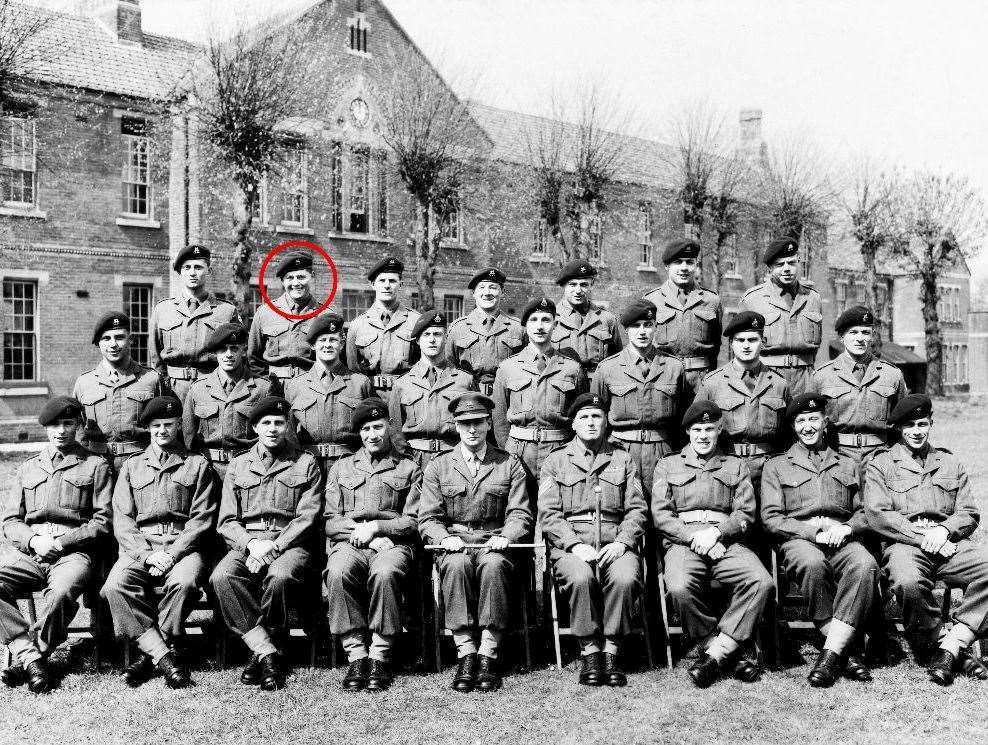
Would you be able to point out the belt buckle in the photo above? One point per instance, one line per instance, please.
(705, 516)
(744, 449)
(857, 439)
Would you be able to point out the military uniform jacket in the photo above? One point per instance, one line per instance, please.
(640, 400)
(420, 410)
(478, 343)
(596, 337)
(795, 490)
(795, 329)
(495, 503)
(157, 487)
(689, 329)
(526, 398)
(177, 336)
(568, 487)
(749, 416)
(376, 348)
(77, 493)
(276, 341)
(213, 420)
(359, 489)
(288, 490)
(112, 408)
(864, 406)
(897, 489)
(684, 481)
(323, 405)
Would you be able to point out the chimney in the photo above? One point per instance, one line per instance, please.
(751, 144)
(121, 18)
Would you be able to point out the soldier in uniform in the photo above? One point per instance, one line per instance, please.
(593, 514)
(54, 518)
(689, 317)
(918, 499)
(483, 339)
(272, 497)
(114, 392)
(371, 532)
(420, 398)
(812, 510)
(793, 315)
(164, 508)
(703, 506)
(324, 399)
(379, 341)
(475, 494)
(582, 326)
(218, 405)
(179, 328)
(861, 390)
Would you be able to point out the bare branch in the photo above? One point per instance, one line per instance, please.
(795, 185)
(22, 56)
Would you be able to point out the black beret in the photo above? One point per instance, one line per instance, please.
(368, 410)
(268, 405)
(639, 310)
(470, 405)
(294, 262)
(857, 315)
(429, 317)
(387, 264)
(60, 407)
(746, 320)
(330, 323)
(160, 407)
(805, 402)
(680, 248)
(780, 248)
(227, 333)
(913, 406)
(544, 305)
(701, 411)
(115, 319)
(193, 251)
(488, 275)
(579, 269)
(585, 401)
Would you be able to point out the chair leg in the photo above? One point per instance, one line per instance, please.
(221, 648)
(554, 609)
(664, 610)
(437, 616)
(96, 630)
(777, 620)
(332, 651)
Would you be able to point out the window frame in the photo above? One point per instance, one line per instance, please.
(135, 333)
(128, 168)
(447, 312)
(645, 229)
(358, 32)
(293, 148)
(34, 333)
(8, 121)
(341, 180)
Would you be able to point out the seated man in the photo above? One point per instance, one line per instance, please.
(593, 514)
(272, 495)
(811, 508)
(164, 509)
(917, 498)
(371, 501)
(474, 495)
(703, 505)
(55, 517)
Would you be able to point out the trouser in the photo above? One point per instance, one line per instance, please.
(645, 455)
(180, 387)
(693, 378)
(836, 583)
(687, 577)
(475, 588)
(604, 605)
(359, 578)
(248, 599)
(912, 573)
(129, 591)
(798, 378)
(61, 583)
(532, 454)
(861, 454)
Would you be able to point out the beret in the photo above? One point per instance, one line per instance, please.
(60, 407)
(701, 411)
(227, 333)
(470, 405)
(585, 401)
(579, 269)
(160, 407)
(638, 310)
(780, 248)
(913, 406)
(387, 264)
(544, 305)
(680, 248)
(857, 315)
(294, 262)
(368, 410)
(192, 251)
(488, 275)
(805, 402)
(429, 317)
(746, 320)
(115, 319)
(266, 406)
(330, 323)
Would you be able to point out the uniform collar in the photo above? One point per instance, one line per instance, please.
(363, 461)
(710, 463)
(286, 303)
(127, 373)
(69, 459)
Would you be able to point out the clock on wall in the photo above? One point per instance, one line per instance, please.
(360, 112)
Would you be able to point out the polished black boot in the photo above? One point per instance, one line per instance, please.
(488, 678)
(826, 670)
(139, 671)
(356, 675)
(175, 675)
(592, 669)
(380, 676)
(466, 674)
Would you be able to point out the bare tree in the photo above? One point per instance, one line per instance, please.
(22, 57)
(696, 135)
(726, 207)
(545, 149)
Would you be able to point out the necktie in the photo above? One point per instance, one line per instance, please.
(227, 386)
(540, 362)
(682, 297)
(430, 375)
(193, 304)
(749, 380)
(643, 365)
(57, 458)
(859, 371)
(114, 376)
(385, 318)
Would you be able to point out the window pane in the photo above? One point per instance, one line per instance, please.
(452, 307)
(355, 302)
(19, 323)
(382, 195)
(137, 305)
(359, 191)
(135, 176)
(295, 187)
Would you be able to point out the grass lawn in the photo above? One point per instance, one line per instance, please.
(541, 706)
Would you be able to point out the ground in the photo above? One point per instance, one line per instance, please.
(542, 706)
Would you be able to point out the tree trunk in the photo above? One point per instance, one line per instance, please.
(717, 260)
(929, 295)
(426, 249)
(868, 256)
(243, 252)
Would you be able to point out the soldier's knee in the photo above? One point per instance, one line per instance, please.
(678, 589)
(183, 585)
(457, 563)
(579, 575)
(762, 585)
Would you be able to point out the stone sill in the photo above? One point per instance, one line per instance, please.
(31, 389)
(360, 237)
(540, 259)
(13, 211)
(646, 268)
(138, 222)
(293, 229)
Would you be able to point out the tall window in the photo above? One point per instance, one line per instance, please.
(840, 296)
(382, 194)
(729, 257)
(20, 329)
(450, 228)
(260, 209)
(359, 207)
(949, 305)
(804, 261)
(962, 364)
(452, 307)
(594, 227)
(540, 242)
(949, 363)
(358, 31)
(645, 233)
(136, 177)
(355, 302)
(295, 204)
(336, 186)
(358, 183)
(19, 161)
(137, 305)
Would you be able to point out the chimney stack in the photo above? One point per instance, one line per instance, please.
(121, 18)
(751, 144)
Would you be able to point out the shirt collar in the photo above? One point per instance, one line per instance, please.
(467, 454)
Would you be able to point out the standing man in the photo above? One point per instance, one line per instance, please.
(861, 390)
(593, 513)
(54, 519)
(179, 328)
(589, 330)
(918, 499)
(483, 339)
(689, 317)
(272, 496)
(812, 509)
(371, 532)
(114, 392)
(420, 398)
(379, 341)
(475, 494)
(793, 315)
(164, 509)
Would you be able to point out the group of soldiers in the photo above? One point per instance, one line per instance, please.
(307, 447)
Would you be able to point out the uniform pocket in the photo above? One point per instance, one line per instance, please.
(945, 488)
(520, 398)
(624, 403)
(612, 484)
(287, 490)
(796, 490)
(77, 489)
(394, 493)
(811, 326)
(879, 399)
(349, 486)
(703, 317)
